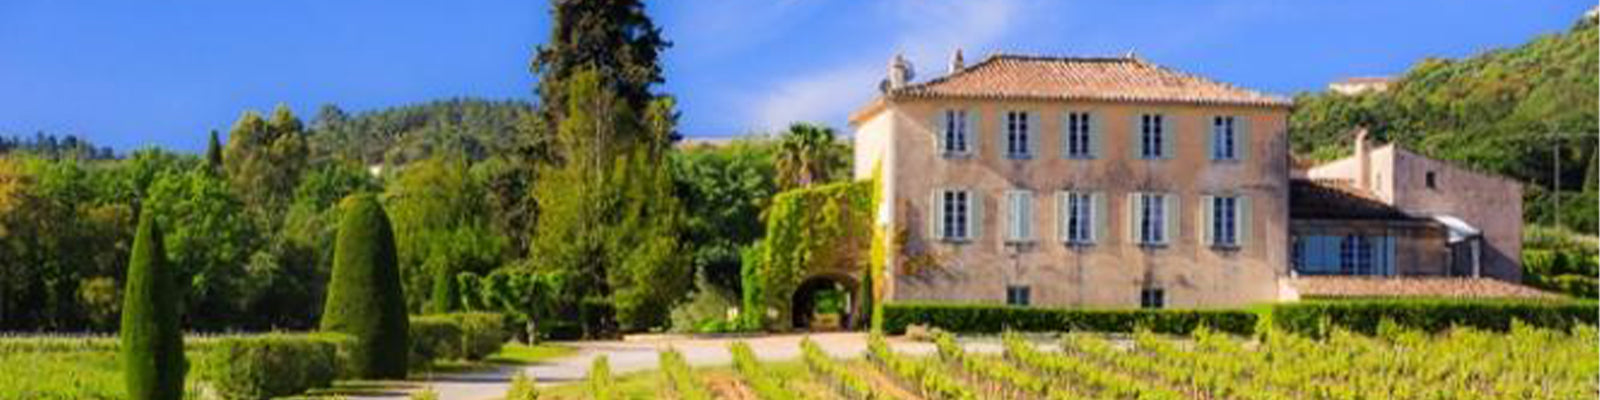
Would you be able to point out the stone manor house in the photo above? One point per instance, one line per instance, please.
(1112, 182)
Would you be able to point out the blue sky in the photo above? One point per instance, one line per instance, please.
(132, 74)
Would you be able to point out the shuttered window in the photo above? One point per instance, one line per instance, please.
(1152, 218)
(954, 132)
(1077, 217)
(1224, 138)
(953, 215)
(1018, 136)
(1224, 221)
(1078, 137)
(1152, 136)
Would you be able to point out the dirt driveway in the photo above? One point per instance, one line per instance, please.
(637, 355)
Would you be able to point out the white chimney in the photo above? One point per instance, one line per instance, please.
(957, 63)
(899, 72)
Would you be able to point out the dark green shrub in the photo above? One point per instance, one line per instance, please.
(153, 364)
(471, 336)
(482, 334)
(434, 337)
(365, 299)
(991, 318)
(273, 365)
(1317, 317)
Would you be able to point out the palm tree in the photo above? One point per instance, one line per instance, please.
(805, 155)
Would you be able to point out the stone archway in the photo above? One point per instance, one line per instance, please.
(840, 289)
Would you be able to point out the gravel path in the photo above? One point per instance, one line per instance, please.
(637, 355)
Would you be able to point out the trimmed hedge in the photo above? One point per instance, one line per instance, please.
(470, 336)
(433, 338)
(482, 333)
(365, 299)
(991, 318)
(267, 366)
(1316, 317)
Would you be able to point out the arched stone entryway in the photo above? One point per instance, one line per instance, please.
(841, 290)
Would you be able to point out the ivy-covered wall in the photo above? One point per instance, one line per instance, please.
(810, 231)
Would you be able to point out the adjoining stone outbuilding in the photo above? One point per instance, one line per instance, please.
(1479, 215)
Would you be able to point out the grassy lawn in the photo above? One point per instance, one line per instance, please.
(85, 374)
(518, 353)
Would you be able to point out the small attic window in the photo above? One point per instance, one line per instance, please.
(1432, 181)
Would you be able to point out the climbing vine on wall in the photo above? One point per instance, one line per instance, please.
(820, 228)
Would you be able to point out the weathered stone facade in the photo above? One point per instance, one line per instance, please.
(900, 135)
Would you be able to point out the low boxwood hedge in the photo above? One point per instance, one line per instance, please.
(433, 337)
(470, 336)
(992, 318)
(272, 365)
(1316, 317)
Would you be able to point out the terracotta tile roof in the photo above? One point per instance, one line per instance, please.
(1336, 199)
(1084, 78)
(1413, 286)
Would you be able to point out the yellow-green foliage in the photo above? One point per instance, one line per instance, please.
(523, 387)
(882, 243)
(811, 229)
(601, 386)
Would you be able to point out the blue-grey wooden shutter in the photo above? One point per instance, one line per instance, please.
(1172, 217)
(1093, 121)
(1241, 138)
(1244, 220)
(1171, 130)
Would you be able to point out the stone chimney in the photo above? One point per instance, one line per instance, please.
(956, 63)
(1363, 160)
(899, 72)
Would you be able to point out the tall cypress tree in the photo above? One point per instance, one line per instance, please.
(365, 299)
(214, 154)
(153, 364)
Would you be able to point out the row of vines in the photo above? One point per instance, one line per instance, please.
(1524, 363)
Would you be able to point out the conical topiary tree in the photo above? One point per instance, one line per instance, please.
(153, 365)
(364, 295)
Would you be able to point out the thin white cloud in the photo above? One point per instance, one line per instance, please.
(926, 32)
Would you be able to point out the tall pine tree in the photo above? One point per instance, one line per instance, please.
(613, 38)
(607, 218)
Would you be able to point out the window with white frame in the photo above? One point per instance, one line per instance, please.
(1224, 221)
(1017, 137)
(955, 215)
(1019, 216)
(1077, 211)
(1222, 138)
(1152, 218)
(1078, 135)
(1151, 136)
(955, 132)
(1152, 298)
(1355, 255)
